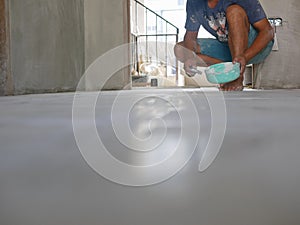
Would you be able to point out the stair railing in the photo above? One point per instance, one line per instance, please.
(162, 36)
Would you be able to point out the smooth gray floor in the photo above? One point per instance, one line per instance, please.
(255, 179)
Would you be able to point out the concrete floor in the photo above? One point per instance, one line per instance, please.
(255, 178)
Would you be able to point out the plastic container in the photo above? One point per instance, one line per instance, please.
(222, 72)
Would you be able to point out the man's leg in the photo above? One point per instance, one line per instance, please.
(238, 40)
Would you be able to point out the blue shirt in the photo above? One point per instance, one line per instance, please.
(214, 20)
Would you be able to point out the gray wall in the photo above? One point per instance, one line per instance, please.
(54, 41)
(47, 51)
(281, 69)
(106, 27)
(6, 85)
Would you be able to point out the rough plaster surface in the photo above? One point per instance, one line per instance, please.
(47, 44)
(281, 69)
(3, 52)
(54, 41)
(106, 27)
(6, 86)
(254, 180)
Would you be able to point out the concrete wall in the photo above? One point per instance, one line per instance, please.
(106, 27)
(6, 85)
(281, 69)
(47, 51)
(53, 42)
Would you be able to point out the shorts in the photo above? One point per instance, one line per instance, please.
(220, 50)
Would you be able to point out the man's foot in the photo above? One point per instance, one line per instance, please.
(236, 85)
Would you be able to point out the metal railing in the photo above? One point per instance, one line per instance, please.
(160, 34)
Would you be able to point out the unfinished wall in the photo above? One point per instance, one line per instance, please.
(47, 51)
(106, 27)
(52, 42)
(6, 86)
(281, 69)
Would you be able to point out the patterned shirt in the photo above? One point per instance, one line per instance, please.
(214, 19)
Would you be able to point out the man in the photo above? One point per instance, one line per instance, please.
(243, 35)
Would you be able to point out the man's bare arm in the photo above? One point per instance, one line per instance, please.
(265, 35)
(190, 41)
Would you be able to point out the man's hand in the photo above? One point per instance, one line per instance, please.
(189, 64)
(243, 62)
(190, 47)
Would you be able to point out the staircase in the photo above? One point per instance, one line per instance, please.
(152, 54)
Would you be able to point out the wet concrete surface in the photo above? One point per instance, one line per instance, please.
(255, 179)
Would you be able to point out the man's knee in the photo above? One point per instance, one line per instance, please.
(235, 11)
(236, 14)
(179, 50)
(178, 46)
